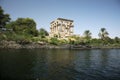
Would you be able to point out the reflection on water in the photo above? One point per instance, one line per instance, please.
(39, 64)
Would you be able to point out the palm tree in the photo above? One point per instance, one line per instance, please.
(103, 34)
(87, 34)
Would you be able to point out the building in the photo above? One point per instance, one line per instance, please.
(61, 28)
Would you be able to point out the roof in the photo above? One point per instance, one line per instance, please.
(63, 20)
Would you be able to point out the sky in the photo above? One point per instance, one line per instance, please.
(87, 14)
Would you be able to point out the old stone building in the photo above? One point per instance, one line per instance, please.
(61, 28)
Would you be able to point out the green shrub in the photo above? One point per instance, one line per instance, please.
(24, 41)
(54, 41)
(63, 41)
(3, 37)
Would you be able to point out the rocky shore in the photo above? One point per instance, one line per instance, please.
(31, 45)
(14, 45)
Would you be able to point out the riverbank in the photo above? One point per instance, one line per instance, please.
(14, 45)
(32, 45)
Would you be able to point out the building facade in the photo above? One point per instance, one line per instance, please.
(61, 28)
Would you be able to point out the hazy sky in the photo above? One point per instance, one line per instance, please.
(87, 14)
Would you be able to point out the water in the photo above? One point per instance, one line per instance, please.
(39, 64)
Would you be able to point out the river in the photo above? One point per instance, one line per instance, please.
(38, 64)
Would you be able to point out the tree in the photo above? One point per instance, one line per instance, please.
(4, 18)
(103, 34)
(117, 40)
(23, 26)
(10, 25)
(87, 34)
(43, 33)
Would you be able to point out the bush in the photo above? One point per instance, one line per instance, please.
(54, 41)
(63, 41)
(3, 37)
(24, 41)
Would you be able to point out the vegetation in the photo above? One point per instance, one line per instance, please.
(54, 41)
(87, 34)
(4, 18)
(23, 31)
(103, 34)
(43, 33)
(25, 26)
